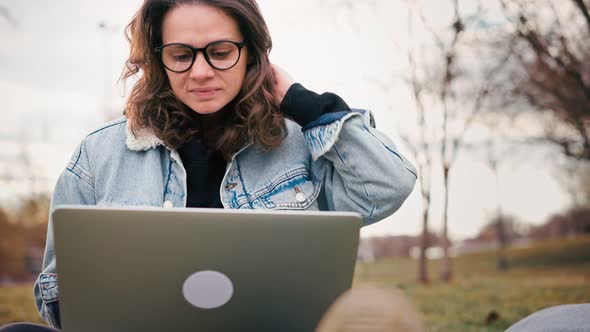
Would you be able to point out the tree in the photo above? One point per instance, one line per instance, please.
(574, 177)
(421, 149)
(512, 229)
(419, 141)
(458, 93)
(550, 68)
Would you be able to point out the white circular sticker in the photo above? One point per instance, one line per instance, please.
(207, 289)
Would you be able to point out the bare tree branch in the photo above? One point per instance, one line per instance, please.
(584, 9)
(554, 71)
(5, 13)
(421, 150)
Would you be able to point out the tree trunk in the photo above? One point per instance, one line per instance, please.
(501, 240)
(422, 271)
(501, 263)
(446, 269)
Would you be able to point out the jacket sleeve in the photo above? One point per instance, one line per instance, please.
(74, 187)
(360, 168)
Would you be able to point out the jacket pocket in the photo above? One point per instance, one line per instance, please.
(293, 190)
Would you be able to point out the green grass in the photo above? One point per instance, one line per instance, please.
(17, 305)
(547, 274)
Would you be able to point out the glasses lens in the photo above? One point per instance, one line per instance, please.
(177, 57)
(223, 55)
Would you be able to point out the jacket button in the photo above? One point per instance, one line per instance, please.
(168, 204)
(300, 197)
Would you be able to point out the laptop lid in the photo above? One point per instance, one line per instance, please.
(137, 269)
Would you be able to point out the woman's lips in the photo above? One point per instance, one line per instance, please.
(204, 93)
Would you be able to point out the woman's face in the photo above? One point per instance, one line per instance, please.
(203, 88)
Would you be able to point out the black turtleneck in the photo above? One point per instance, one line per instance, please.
(205, 167)
(204, 170)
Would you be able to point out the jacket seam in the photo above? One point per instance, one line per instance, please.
(299, 205)
(78, 157)
(395, 153)
(249, 201)
(80, 177)
(108, 126)
(267, 189)
(369, 196)
(278, 180)
(83, 174)
(79, 171)
(168, 179)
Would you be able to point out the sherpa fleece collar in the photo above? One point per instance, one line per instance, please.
(144, 139)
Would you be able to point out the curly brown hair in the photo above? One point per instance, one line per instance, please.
(253, 116)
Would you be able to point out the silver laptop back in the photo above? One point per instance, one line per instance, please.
(200, 269)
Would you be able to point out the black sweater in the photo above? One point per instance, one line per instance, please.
(205, 168)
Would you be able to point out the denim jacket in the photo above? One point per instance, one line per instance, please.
(339, 162)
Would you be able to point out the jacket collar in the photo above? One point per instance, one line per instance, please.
(144, 139)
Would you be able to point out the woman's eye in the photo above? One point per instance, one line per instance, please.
(183, 57)
(220, 54)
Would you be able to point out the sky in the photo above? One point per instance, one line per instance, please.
(59, 73)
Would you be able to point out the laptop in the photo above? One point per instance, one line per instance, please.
(151, 269)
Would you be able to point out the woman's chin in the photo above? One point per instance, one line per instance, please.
(205, 109)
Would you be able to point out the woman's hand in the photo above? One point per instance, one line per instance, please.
(282, 83)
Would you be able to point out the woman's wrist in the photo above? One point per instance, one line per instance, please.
(305, 106)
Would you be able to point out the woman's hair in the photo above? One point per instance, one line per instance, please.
(253, 116)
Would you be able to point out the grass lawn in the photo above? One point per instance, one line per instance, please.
(549, 273)
(17, 305)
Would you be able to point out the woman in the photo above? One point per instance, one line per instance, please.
(211, 123)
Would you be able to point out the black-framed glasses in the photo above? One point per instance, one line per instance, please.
(221, 55)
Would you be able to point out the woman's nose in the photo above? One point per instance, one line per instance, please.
(201, 68)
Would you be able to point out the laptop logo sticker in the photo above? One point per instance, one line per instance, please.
(207, 289)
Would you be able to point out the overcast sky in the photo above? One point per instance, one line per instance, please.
(58, 71)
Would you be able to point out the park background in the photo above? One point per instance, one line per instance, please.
(489, 99)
